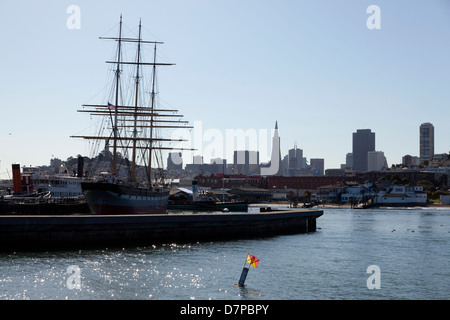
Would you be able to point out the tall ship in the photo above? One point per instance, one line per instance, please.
(132, 122)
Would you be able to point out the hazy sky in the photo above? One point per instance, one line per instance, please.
(314, 66)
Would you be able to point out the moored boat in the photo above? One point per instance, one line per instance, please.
(110, 198)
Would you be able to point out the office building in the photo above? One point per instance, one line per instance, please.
(317, 166)
(376, 161)
(295, 161)
(246, 162)
(363, 142)
(274, 168)
(349, 160)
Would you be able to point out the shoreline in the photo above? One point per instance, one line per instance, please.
(348, 206)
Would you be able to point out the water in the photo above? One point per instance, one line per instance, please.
(410, 247)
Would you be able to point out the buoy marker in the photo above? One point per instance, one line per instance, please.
(250, 261)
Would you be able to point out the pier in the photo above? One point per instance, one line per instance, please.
(48, 232)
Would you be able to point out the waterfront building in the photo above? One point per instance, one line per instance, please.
(363, 142)
(389, 195)
(426, 141)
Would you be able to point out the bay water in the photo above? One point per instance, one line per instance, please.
(370, 254)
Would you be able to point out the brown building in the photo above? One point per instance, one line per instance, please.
(271, 182)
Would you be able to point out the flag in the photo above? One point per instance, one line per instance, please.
(252, 260)
(111, 106)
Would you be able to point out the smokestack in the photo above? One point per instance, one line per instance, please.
(17, 181)
(194, 190)
(80, 167)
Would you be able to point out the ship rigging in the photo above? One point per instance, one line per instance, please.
(134, 126)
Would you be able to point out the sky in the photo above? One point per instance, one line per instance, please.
(315, 67)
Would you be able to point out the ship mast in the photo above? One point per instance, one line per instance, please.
(116, 111)
(139, 117)
(151, 118)
(133, 163)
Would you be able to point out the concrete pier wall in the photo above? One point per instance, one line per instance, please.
(89, 231)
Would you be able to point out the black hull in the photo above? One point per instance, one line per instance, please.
(109, 198)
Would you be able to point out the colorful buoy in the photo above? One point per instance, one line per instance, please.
(250, 261)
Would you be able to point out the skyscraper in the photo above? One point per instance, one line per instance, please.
(363, 142)
(426, 141)
(317, 166)
(275, 168)
(349, 160)
(246, 162)
(376, 161)
(295, 161)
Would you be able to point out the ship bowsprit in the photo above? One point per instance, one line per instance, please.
(110, 198)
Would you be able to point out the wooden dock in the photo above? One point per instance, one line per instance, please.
(48, 232)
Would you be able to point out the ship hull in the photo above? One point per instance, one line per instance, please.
(108, 198)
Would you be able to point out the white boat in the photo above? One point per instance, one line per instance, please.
(58, 185)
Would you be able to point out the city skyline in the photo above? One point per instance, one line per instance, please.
(315, 67)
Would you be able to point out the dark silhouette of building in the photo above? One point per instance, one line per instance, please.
(363, 142)
(295, 161)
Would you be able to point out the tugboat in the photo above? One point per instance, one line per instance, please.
(135, 127)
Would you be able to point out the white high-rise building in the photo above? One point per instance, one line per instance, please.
(426, 141)
(376, 161)
(275, 160)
